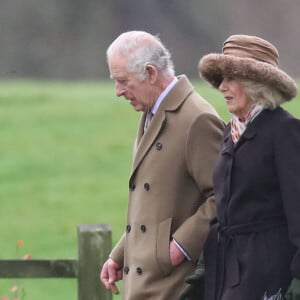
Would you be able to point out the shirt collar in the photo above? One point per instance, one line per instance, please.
(163, 95)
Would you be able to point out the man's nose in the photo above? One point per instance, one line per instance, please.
(119, 90)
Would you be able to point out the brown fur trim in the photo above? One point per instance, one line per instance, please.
(213, 67)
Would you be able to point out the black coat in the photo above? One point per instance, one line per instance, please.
(252, 251)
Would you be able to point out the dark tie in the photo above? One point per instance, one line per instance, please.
(148, 119)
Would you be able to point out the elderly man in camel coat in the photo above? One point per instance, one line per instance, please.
(171, 200)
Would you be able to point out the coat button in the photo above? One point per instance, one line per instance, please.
(143, 228)
(132, 186)
(158, 146)
(128, 228)
(147, 186)
(139, 270)
(126, 270)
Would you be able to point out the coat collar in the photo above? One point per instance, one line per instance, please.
(228, 146)
(171, 103)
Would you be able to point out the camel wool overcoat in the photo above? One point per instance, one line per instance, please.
(170, 194)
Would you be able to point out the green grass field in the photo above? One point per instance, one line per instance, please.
(66, 150)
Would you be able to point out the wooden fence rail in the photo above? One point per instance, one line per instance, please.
(94, 245)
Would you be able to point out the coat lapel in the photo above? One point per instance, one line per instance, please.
(249, 133)
(173, 100)
(145, 140)
(228, 146)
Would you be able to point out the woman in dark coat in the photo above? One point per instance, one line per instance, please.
(252, 251)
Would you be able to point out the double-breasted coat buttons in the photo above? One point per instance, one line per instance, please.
(158, 146)
(143, 228)
(139, 271)
(147, 186)
(131, 185)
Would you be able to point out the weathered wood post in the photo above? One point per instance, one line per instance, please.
(94, 245)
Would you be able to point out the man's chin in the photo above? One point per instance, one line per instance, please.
(136, 107)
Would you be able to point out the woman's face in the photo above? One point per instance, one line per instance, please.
(238, 103)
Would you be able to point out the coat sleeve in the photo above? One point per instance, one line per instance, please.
(202, 148)
(287, 151)
(117, 253)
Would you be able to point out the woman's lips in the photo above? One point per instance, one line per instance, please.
(228, 99)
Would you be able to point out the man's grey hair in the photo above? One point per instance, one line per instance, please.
(142, 49)
(261, 93)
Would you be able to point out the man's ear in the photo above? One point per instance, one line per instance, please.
(151, 73)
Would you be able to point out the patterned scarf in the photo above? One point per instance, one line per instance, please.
(238, 127)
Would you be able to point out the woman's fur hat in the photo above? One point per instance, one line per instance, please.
(248, 57)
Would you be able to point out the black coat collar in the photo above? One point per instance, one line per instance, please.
(251, 131)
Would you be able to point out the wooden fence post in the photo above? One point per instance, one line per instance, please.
(94, 245)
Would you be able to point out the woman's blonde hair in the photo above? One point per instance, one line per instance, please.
(260, 93)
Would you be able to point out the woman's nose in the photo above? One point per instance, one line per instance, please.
(222, 86)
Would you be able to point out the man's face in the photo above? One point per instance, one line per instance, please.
(140, 93)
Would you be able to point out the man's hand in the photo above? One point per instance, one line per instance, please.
(110, 273)
(176, 256)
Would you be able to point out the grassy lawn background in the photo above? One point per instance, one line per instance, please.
(65, 152)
